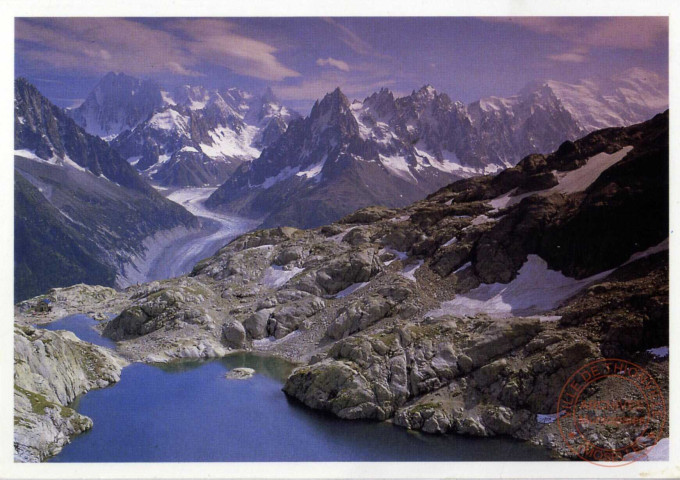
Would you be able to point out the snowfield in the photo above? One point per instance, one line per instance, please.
(535, 289)
(569, 182)
(580, 179)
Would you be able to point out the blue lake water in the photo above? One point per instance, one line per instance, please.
(188, 412)
(83, 327)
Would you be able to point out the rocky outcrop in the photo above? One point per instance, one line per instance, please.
(158, 307)
(407, 361)
(241, 373)
(234, 334)
(359, 315)
(50, 370)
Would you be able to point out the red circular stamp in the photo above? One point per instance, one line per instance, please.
(611, 410)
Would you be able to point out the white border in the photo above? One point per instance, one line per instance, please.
(119, 8)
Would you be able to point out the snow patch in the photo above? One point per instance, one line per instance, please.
(264, 342)
(569, 182)
(535, 289)
(580, 179)
(284, 174)
(228, 143)
(478, 220)
(660, 352)
(351, 289)
(655, 453)
(449, 162)
(170, 120)
(275, 276)
(337, 238)
(410, 270)
(450, 242)
(313, 170)
(398, 166)
(549, 318)
(546, 418)
(67, 161)
(507, 199)
(30, 154)
(463, 267)
(398, 255)
(660, 247)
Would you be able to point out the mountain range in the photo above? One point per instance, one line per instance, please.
(192, 136)
(393, 151)
(84, 205)
(275, 165)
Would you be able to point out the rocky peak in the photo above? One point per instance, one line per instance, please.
(25, 92)
(236, 96)
(268, 96)
(426, 94)
(381, 102)
(36, 128)
(225, 104)
(333, 104)
(117, 103)
(333, 111)
(116, 80)
(115, 89)
(188, 94)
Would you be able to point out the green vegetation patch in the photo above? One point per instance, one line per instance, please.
(421, 407)
(39, 403)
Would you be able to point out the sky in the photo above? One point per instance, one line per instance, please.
(302, 59)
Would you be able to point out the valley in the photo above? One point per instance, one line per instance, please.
(180, 255)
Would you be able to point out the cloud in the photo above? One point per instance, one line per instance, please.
(214, 40)
(570, 57)
(575, 55)
(584, 34)
(352, 40)
(635, 33)
(332, 62)
(174, 67)
(97, 45)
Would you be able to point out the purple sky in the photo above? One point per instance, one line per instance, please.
(303, 58)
